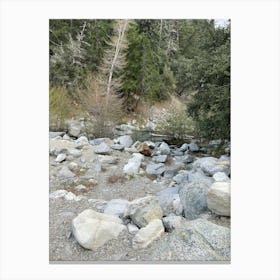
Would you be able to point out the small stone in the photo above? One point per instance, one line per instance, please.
(193, 147)
(133, 165)
(60, 158)
(81, 141)
(75, 153)
(160, 158)
(133, 229)
(64, 172)
(164, 149)
(156, 169)
(116, 207)
(184, 147)
(73, 166)
(221, 177)
(117, 147)
(171, 222)
(102, 149)
(144, 149)
(80, 187)
(125, 140)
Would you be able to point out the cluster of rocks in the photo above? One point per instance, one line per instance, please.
(173, 218)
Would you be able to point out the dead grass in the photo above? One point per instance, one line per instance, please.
(116, 179)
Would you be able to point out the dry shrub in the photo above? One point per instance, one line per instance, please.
(61, 107)
(105, 113)
(177, 124)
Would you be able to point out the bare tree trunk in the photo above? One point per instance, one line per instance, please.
(121, 32)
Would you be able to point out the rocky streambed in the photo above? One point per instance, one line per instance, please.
(121, 200)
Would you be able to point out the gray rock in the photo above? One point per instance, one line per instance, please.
(66, 137)
(218, 198)
(160, 158)
(194, 199)
(177, 153)
(169, 201)
(64, 172)
(215, 142)
(80, 187)
(73, 166)
(116, 207)
(125, 140)
(221, 177)
(133, 165)
(142, 216)
(53, 134)
(181, 177)
(81, 142)
(117, 147)
(139, 203)
(187, 158)
(146, 235)
(102, 149)
(156, 169)
(108, 159)
(189, 242)
(74, 128)
(171, 222)
(64, 194)
(164, 149)
(184, 147)
(212, 167)
(75, 153)
(170, 173)
(60, 158)
(193, 147)
(199, 176)
(92, 229)
(217, 236)
(133, 229)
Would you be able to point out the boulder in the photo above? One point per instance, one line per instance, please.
(144, 149)
(169, 201)
(66, 137)
(102, 149)
(156, 169)
(81, 141)
(164, 149)
(217, 236)
(116, 207)
(133, 165)
(171, 222)
(212, 167)
(170, 173)
(142, 216)
(181, 177)
(160, 158)
(218, 198)
(193, 147)
(74, 128)
(184, 147)
(64, 172)
(92, 229)
(221, 177)
(125, 141)
(140, 203)
(60, 158)
(146, 235)
(75, 153)
(192, 241)
(194, 199)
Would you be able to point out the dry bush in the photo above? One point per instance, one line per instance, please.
(105, 114)
(116, 178)
(177, 124)
(61, 108)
